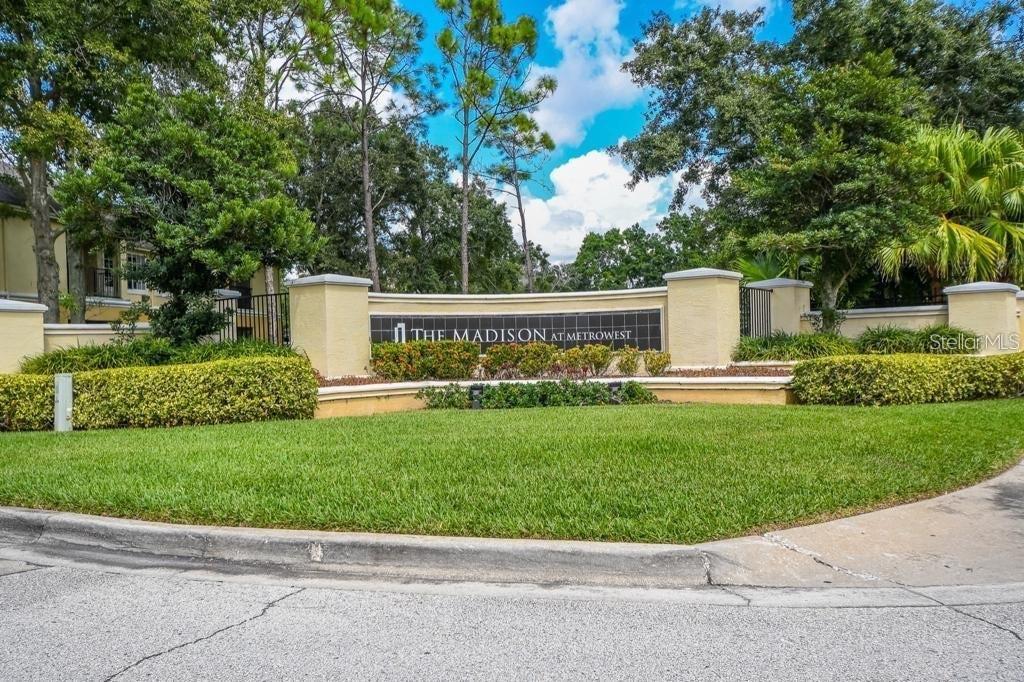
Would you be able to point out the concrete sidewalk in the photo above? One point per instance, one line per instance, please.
(973, 537)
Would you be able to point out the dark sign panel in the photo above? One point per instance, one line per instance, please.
(640, 328)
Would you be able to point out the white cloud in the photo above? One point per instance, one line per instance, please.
(734, 5)
(590, 195)
(590, 79)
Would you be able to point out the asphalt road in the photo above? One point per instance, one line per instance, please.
(75, 622)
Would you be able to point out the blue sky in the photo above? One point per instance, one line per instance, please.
(581, 187)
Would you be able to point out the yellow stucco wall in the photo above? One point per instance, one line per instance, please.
(21, 333)
(989, 309)
(858, 320)
(703, 317)
(331, 324)
(74, 335)
(18, 261)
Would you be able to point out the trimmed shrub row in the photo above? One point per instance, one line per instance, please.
(565, 393)
(780, 346)
(443, 360)
(146, 352)
(26, 402)
(218, 392)
(907, 379)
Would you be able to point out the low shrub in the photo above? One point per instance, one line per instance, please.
(450, 397)
(145, 351)
(887, 340)
(418, 360)
(907, 378)
(538, 359)
(628, 361)
(582, 361)
(784, 347)
(217, 392)
(539, 394)
(940, 339)
(656, 362)
(26, 402)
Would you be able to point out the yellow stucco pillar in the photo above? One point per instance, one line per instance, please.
(703, 316)
(21, 332)
(330, 322)
(989, 309)
(791, 300)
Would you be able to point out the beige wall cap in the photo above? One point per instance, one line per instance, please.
(341, 280)
(227, 293)
(982, 288)
(781, 283)
(702, 273)
(9, 306)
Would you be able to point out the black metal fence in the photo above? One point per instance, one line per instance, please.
(755, 311)
(263, 316)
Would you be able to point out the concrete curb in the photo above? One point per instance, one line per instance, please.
(357, 555)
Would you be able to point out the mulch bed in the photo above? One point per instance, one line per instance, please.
(731, 371)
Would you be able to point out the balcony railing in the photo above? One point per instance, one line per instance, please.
(103, 282)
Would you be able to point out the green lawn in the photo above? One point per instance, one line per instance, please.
(657, 473)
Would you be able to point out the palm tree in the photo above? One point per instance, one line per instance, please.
(980, 232)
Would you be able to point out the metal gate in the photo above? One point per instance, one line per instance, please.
(263, 317)
(755, 311)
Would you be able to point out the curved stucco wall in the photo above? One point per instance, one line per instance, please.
(512, 304)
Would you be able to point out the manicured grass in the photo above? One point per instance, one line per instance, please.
(656, 473)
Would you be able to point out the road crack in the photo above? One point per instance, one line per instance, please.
(176, 647)
(783, 542)
(817, 558)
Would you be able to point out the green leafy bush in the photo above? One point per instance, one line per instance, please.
(222, 391)
(538, 359)
(539, 394)
(26, 402)
(145, 352)
(940, 338)
(783, 347)
(628, 361)
(561, 393)
(904, 379)
(887, 340)
(656, 362)
(581, 361)
(418, 360)
(503, 360)
(450, 397)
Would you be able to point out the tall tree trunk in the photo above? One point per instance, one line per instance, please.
(76, 280)
(464, 235)
(270, 281)
(47, 270)
(371, 236)
(528, 258)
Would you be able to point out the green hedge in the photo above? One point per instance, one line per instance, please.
(222, 391)
(26, 402)
(906, 379)
(146, 352)
(446, 360)
(218, 392)
(784, 347)
(935, 339)
(539, 394)
(418, 360)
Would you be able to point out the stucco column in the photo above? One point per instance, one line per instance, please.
(330, 322)
(703, 316)
(791, 300)
(989, 309)
(21, 332)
